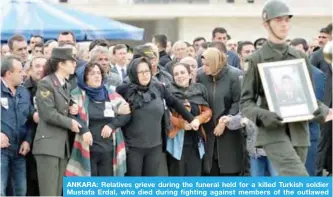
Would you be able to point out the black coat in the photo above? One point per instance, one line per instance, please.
(324, 155)
(164, 58)
(223, 98)
(317, 60)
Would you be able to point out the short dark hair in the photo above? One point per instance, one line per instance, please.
(118, 47)
(219, 45)
(205, 45)
(219, 30)
(99, 42)
(39, 44)
(198, 39)
(90, 65)
(325, 30)
(329, 28)
(242, 44)
(17, 38)
(301, 41)
(7, 64)
(161, 39)
(37, 36)
(65, 33)
(260, 41)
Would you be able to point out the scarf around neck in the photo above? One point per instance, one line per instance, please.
(196, 93)
(95, 94)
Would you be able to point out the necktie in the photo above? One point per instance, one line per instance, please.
(65, 87)
(123, 73)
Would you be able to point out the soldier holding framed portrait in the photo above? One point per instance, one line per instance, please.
(285, 144)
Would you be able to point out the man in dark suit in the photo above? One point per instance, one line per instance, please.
(120, 55)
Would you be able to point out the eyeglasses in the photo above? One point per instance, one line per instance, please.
(144, 72)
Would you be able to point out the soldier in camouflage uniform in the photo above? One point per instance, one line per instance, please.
(286, 144)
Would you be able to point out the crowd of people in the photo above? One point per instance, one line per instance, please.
(157, 109)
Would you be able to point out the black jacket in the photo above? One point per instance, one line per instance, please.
(164, 58)
(223, 97)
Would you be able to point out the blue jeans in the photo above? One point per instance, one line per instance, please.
(310, 163)
(261, 166)
(13, 168)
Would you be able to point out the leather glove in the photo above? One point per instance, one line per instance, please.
(319, 116)
(269, 119)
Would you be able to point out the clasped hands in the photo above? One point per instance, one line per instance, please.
(194, 125)
(220, 127)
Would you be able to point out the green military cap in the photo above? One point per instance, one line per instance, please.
(275, 8)
(63, 54)
(143, 51)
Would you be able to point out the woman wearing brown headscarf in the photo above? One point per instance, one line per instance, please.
(224, 147)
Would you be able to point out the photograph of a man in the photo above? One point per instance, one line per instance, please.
(289, 93)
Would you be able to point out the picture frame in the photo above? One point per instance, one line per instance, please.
(288, 89)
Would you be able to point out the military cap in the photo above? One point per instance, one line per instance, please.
(62, 53)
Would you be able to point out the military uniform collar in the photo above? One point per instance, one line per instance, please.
(56, 80)
(269, 53)
(292, 52)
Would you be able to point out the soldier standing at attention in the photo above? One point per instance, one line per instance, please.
(286, 144)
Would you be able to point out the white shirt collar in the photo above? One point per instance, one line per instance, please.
(120, 67)
(4, 83)
(62, 81)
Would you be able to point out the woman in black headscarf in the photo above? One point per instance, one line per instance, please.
(186, 146)
(144, 133)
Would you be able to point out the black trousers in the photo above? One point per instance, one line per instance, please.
(101, 163)
(145, 161)
(189, 165)
(215, 171)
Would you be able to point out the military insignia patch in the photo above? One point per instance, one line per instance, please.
(45, 94)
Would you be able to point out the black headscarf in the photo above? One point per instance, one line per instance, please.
(138, 95)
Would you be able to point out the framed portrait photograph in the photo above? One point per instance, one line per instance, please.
(288, 89)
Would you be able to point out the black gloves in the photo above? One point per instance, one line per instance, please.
(319, 116)
(269, 119)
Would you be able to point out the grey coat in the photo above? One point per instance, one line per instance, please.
(53, 126)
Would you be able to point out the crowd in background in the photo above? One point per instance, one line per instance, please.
(158, 109)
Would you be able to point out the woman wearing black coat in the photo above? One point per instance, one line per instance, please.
(224, 151)
(144, 134)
